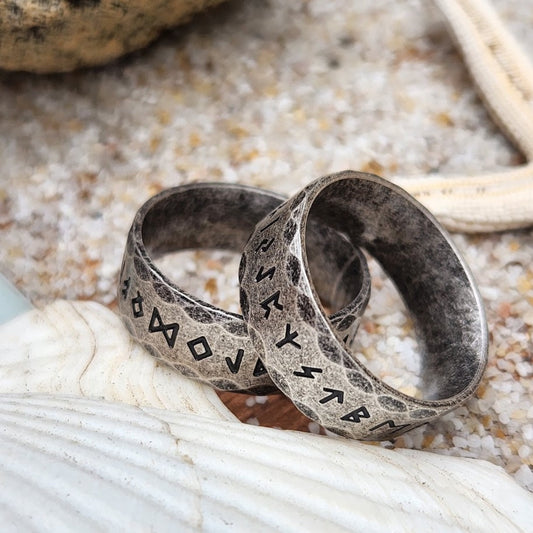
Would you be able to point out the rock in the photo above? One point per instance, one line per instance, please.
(62, 35)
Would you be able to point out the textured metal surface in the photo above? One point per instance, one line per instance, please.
(196, 338)
(305, 357)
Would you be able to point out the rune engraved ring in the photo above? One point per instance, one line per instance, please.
(195, 337)
(305, 356)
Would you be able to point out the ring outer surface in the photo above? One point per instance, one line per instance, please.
(305, 357)
(196, 338)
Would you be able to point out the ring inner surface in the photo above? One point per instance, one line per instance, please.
(426, 270)
(217, 218)
(337, 269)
(224, 217)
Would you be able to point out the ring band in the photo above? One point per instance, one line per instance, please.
(196, 338)
(305, 357)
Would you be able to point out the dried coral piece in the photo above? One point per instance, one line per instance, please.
(504, 79)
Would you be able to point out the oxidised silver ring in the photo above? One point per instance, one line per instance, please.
(193, 336)
(301, 351)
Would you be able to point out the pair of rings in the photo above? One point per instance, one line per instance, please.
(299, 255)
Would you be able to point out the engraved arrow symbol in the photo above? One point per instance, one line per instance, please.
(338, 394)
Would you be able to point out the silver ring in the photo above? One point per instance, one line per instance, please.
(198, 339)
(302, 352)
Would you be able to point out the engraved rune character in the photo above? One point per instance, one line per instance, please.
(273, 298)
(234, 366)
(137, 306)
(391, 425)
(335, 394)
(207, 352)
(289, 338)
(125, 288)
(356, 415)
(262, 274)
(259, 369)
(157, 324)
(264, 245)
(308, 372)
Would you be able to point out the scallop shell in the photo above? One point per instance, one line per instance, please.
(82, 349)
(96, 435)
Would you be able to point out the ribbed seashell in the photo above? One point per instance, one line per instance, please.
(82, 349)
(75, 456)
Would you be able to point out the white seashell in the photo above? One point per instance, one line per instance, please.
(83, 349)
(72, 463)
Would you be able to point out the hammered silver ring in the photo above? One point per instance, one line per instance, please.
(304, 355)
(195, 337)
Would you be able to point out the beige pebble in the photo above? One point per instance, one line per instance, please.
(528, 318)
(62, 35)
